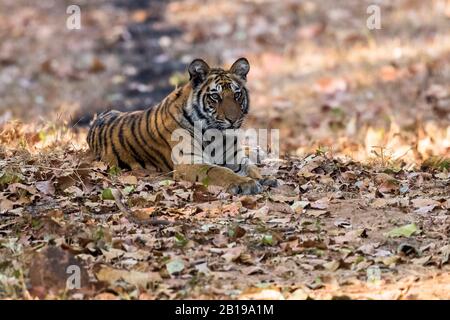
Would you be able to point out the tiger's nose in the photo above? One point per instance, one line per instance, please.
(233, 112)
(231, 120)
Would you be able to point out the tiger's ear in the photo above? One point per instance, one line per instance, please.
(240, 68)
(198, 70)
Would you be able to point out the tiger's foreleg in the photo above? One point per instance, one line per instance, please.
(250, 170)
(217, 175)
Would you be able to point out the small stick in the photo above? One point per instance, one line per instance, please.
(129, 214)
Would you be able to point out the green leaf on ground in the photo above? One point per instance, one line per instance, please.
(404, 231)
(180, 240)
(107, 194)
(114, 171)
(267, 240)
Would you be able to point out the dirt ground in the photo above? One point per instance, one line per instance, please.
(363, 202)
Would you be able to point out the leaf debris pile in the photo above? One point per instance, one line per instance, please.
(315, 235)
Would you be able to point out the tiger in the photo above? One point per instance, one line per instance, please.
(214, 97)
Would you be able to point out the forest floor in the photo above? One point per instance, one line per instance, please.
(362, 209)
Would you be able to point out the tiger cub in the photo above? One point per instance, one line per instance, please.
(214, 97)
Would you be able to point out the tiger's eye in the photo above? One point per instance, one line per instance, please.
(237, 95)
(215, 96)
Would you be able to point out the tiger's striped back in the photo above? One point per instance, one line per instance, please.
(137, 139)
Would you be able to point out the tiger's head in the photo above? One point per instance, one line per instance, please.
(219, 97)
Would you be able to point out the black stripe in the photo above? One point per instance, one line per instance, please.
(188, 117)
(199, 98)
(165, 141)
(198, 95)
(137, 135)
(155, 122)
(200, 114)
(173, 117)
(148, 126)
(95, 142)
(139, 138)
(120, 162)
(178, 93)
(103, 137)
(164, 113)
(147, 119)
(89, 139)
(166, 163)
(197, 108)
(245, 100)
(120, 133)
(204, 100)
(191, 131)
(147, 129)
(157, 129)
(126, 145)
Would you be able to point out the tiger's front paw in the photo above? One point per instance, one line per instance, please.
(249, 186)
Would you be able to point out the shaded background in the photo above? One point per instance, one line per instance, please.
(317, 72)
